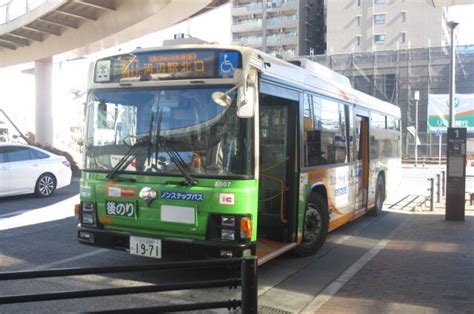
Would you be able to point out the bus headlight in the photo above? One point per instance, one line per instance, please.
(88, 207)
(88, 213)
(228, 234)
(88, 219)
(228, 221)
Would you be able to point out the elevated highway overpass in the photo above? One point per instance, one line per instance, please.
(87, 26)
(36, 30)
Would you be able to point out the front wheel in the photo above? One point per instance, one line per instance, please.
(379, 197)
(316, 223)
(45, 185)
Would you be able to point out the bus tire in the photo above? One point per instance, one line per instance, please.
(379, 197)
(316, 224)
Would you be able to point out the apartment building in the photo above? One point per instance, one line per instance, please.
(281, 27)
(375, 25)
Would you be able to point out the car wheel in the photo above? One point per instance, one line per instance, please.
(45, 185)
(316, 223)
(379, 197)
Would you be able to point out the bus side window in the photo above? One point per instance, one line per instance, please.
(333, 128)
(326, 127)
(349, 111)
(312, 136)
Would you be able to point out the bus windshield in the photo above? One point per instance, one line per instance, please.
(210, 139)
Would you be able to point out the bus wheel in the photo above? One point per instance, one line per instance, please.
(379, 197)
(316, 222)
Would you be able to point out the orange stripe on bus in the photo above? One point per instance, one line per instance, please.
(340, 221)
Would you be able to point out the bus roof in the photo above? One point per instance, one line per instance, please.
(300, 71)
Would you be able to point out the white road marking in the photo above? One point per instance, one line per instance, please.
(352, 270)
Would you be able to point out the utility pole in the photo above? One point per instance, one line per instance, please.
(416, 96)
(452, 74)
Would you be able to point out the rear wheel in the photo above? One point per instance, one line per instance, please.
(379, 197)
(316, 222)
(45, 185)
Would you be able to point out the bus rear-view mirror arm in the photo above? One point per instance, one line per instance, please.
(245, 94)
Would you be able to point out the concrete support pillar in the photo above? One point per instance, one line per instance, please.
(44, 101)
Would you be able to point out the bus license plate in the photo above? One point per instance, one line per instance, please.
(145, 247)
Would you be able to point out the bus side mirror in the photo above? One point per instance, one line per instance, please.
(223, 99)
(246, 86)
(247, 95)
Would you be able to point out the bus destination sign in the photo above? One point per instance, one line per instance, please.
(167, 65)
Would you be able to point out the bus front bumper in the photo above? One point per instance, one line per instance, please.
(170, 246)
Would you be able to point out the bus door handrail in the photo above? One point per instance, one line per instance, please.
(282, 195)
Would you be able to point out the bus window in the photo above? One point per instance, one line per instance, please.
(325, 131)
(377, 133)
(377, 121)
(333, 129)
(349, 111)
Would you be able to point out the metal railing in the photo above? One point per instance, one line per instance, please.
(16, 8)
(429, 146)
(247, 281)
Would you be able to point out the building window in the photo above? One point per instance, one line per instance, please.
(379, 18)
(404, 16)
(403, 36)
(358, 37)
(358, 2)
(379, 39)
(379, 1)
(358, 17)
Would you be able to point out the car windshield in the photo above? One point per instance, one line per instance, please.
(209, 138)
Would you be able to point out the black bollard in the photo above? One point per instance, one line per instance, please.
(443, 182)
(249, 284)
(438, 188)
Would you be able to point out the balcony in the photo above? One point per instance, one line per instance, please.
(248, 41)
(281, 40)
(246, 9)
(248, 26)
(291, 5)
(275, 23)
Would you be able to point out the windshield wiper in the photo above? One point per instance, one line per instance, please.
(145, 141)
(172, 153)
(178, 161)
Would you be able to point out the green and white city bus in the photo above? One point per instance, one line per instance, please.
(228, 151)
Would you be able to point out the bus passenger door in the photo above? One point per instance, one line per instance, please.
(362, 163)
(277, 206)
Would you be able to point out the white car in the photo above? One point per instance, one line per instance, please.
(27, 169)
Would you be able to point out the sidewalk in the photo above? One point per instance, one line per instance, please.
(426, 267)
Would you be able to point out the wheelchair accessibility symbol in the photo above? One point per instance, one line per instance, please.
(226, 65)
(228, 62)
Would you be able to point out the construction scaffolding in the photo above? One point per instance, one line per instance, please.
(395, 75)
